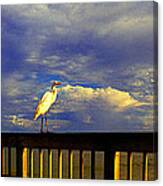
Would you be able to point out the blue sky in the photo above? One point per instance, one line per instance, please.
(101, 52)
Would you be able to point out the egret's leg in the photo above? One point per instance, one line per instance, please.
(42, 120)
(46, 121)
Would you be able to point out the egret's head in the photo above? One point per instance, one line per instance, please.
(55, 83)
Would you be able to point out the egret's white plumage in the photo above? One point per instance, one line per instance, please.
(47, 100)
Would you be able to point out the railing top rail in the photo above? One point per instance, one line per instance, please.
(134, 142)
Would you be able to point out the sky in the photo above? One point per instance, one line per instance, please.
(103, 54)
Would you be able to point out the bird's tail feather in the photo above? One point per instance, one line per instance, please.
(36, 115)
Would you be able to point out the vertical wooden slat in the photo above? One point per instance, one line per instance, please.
(25, 162)
(152, 175)
(60, 163)
(123, 165)
(41, 162)
(3, 161)
(87, 164)
(137, 166)
(156, 166)
(71, 164)
(45, 164)
(93, 164)
(99, 165)
(145, 162)
(36, 163)
(50, 154)
(146, 166)
(55, 163)
(117, 161)
(74, 164)
(32, 157)
(65, 163)
(81, 165)
(152, 167)
(13, 161)
(129, 166)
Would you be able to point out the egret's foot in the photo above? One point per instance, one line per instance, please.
(46, 122)
(41, 129)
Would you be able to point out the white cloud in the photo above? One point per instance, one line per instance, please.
(90, 109)
(22, 121)
(109, 97)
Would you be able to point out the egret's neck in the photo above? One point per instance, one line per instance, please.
(54, 90)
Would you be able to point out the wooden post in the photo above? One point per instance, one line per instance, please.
(93, 164)
(117, 165)
(145, 165)
(81, 165)
(156, 165)
(50, 157)
(70, 164)
(2, 161)
(32, 158)
(25, 162)
(41, 154)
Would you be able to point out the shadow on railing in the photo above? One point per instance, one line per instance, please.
(128, 156)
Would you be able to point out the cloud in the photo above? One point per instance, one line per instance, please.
(116, 99)
(74, 18)
(21, 121)
(58, 37)
(86, 108)
(15, 120)
(74, 22)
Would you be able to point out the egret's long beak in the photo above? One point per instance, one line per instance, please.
(58, 83)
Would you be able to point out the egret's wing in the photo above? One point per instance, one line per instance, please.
(44, 97)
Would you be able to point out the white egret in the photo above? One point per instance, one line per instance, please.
(47, 100)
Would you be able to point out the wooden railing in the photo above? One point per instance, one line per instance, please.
(80, 155)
